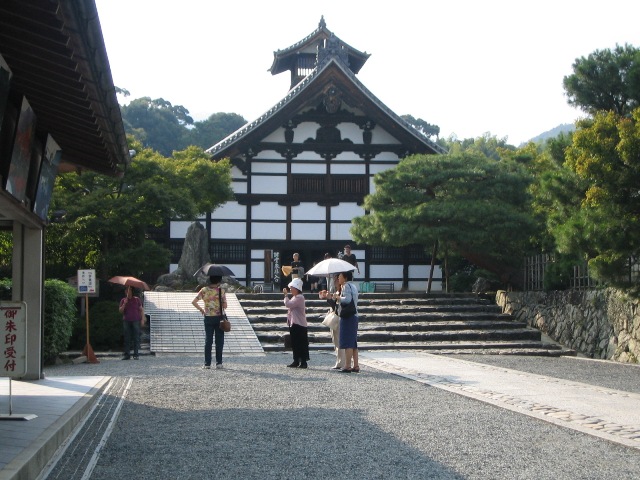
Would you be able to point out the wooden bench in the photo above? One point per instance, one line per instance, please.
(383, 287)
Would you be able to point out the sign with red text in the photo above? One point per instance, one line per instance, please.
(86, 281)
(13, 343)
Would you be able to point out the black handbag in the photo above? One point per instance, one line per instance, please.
(348, 310)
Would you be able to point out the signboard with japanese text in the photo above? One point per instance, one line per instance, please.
(86, 281)
(13, 343)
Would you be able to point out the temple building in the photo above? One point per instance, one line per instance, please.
(301, 172)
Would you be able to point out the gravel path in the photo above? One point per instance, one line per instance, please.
(257, 419)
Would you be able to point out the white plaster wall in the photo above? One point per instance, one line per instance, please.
(347, 157)
(340, 231)
(373, 169)
(269, 231)
(230, 211)
(229, 230)
(308, 211)
(265, 184)
(347, 169)
(236, 172)
(346, 211)
(268, 167)
(308, 155)
(352, 132)
(277, 136)
(308, 231)
(382, 136)
(239, 187)
(304, 131)
(386, 157)
(268, 211)
(308, 168)
(268, 155)
(385, 271)
(240, 270)
(257, 270)
(178, 229)
(423, 271)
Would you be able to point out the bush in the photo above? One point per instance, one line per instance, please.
(105, 322)
(59, 315)
(558, 274)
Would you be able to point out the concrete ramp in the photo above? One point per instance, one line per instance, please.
(177, 327)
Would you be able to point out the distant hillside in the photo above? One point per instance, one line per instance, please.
(554, 132)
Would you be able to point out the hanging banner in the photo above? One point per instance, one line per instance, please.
(13, 343)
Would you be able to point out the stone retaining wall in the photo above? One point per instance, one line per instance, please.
(601, 324)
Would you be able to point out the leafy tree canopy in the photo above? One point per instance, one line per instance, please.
(422, 126)
(469, 204)
(107, 220)
(606, 80)
(601, 217)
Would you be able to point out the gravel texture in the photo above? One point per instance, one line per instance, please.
(257, 419)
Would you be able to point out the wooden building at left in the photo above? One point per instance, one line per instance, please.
(58, 112)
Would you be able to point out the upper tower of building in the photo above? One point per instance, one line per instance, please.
(302, 57)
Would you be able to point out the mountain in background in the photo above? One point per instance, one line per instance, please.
(554, 132)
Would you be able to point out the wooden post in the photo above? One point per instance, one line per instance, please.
(88, 351)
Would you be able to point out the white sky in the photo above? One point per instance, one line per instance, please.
(469, 66)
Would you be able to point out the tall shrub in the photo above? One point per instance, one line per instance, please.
(60, 313)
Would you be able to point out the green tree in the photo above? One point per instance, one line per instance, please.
(467, 204)
(422, 126)
(218, 126)
(106, 220)
(598, 194)
(606, 80)
(157, 124)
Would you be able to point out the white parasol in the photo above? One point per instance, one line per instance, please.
(331, 266)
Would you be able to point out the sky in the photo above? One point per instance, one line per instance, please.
(469, 66)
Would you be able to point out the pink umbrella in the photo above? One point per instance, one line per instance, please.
(129, 282)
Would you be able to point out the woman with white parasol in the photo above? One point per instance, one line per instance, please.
(331, 266)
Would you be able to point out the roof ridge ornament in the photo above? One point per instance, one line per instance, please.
(322, 23)
(332, 48)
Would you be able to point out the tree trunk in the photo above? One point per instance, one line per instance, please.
(433, 263)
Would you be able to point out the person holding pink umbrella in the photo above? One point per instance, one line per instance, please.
(132, 321)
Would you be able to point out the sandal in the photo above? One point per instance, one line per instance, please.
(355, 369)
(345, 370)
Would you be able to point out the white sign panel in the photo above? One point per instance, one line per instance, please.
(13, 344)
(86, 281)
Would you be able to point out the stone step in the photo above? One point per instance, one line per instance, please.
(399, 321)
(445, 347)
(389, 302)
(420, 326)
(364, 336)
(276, 317)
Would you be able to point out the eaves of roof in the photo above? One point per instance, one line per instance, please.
(58, 59)
(283, 59)
(306, 93)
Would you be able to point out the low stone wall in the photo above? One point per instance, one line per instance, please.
(601, 324)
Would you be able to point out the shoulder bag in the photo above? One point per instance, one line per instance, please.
(331, 320)
(348, 310)
(225, 324)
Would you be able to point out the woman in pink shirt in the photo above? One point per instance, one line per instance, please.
(297, 322)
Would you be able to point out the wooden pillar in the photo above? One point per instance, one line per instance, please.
(28, 286)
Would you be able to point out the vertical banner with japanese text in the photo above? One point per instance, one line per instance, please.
(13, 344)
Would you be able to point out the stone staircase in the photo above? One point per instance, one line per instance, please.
(440, 323)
